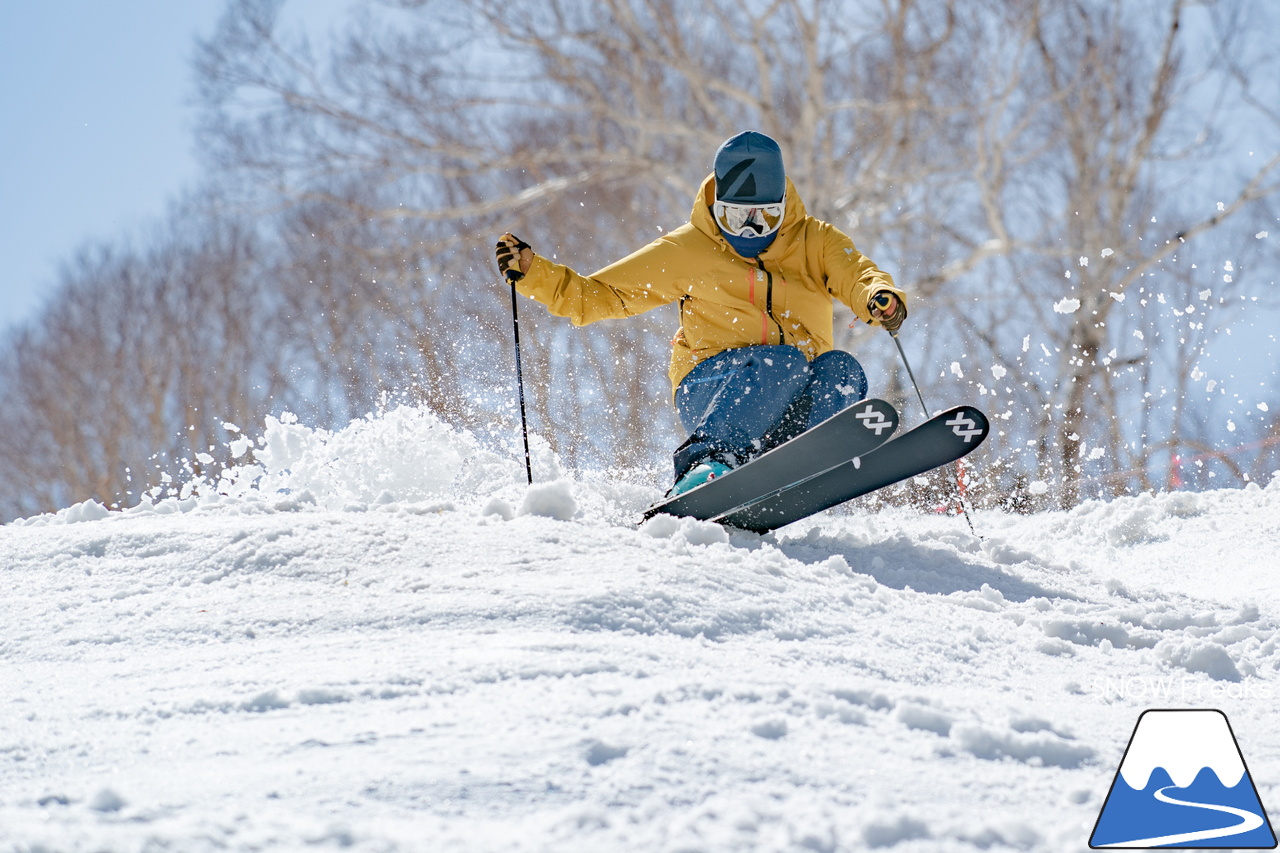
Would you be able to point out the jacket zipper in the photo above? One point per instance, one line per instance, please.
(768, 301)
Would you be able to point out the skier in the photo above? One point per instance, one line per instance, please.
(752, 363)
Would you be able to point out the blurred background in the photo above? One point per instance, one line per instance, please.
(218, 210)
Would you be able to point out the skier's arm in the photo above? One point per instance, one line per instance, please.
(853, 278)
(637, 283)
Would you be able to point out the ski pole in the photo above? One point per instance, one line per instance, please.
(513, 276)
(952, 482)
(894, 334)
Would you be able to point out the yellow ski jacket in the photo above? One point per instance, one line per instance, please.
(726, 300)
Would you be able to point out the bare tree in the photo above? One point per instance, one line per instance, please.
(130, 373)
(587, 127)
(1036, 173)
(1101, 114)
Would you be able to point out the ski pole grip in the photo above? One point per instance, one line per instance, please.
(513, 272)
(882, 300)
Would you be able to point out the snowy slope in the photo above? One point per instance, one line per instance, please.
(386, 644)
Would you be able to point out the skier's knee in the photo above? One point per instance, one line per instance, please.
(840, 373)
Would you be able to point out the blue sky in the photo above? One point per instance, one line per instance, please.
(96, 126)
(96, 130)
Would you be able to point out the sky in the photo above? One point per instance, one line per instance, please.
(97, 127)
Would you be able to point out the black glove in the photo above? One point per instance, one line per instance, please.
(514, 257)
(889, 308)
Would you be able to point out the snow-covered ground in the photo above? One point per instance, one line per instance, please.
(389, 644)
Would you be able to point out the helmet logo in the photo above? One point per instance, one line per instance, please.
(748, 188)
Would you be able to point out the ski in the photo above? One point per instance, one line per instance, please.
(942, 439)
(841, 437)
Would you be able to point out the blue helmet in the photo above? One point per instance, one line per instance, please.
(749, 170)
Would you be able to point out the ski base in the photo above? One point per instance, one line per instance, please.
(940, 440)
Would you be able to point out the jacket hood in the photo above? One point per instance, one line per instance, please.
(702, 219)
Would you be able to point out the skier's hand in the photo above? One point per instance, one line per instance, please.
(514, 257)
(889, 309)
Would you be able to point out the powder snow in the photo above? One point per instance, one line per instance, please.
(380, 639)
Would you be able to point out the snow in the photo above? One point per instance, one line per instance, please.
(381, 639)
(551, 500)
(1067, 305)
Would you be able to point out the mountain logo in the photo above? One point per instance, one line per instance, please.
(1183, 783)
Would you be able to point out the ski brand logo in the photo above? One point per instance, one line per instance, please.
(964, 427)
(873, 420)
(1183, 783)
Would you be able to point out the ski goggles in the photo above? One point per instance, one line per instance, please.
(748, 220)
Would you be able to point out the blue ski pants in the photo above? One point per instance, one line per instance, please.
(742, 402)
